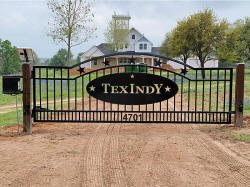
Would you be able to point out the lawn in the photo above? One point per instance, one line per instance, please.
(241, 137)
(10, 117)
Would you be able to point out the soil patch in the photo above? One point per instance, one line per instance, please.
(82, 154)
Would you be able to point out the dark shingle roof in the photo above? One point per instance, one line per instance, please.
(103, 47)
(155, 51)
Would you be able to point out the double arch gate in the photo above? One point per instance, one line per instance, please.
(63, 94)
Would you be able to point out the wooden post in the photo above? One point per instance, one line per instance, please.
(239, 94)
(27, 123)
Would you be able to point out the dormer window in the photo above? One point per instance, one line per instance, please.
(141, 46)
(133, 36)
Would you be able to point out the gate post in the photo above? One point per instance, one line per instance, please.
(27, 123)
(239, 94)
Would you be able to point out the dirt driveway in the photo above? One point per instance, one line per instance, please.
(120, 155)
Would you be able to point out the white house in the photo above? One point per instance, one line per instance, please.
(194, 62)
(137, 42)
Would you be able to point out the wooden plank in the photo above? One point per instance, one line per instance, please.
(27, 122)
(239, 94)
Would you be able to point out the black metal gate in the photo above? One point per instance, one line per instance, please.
(60, 95)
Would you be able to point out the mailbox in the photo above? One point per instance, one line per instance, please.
(11, 84)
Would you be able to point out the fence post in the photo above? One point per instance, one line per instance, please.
(27, 123)
(239, 94)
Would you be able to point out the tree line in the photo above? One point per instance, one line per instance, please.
(204, 36)
(10, 63)
(62, 58)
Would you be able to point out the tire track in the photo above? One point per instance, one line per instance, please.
(233, 171)
(90, 170)
(116, 163)
(186, 145)
(113, 158)
(102, 165)
(227, 165)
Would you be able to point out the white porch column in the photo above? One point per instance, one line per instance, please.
(117, 61)
(152, 61)
(143, 59)
(90, 64)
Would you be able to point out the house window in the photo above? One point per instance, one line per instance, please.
(138, 60)
(145, 46)
(95, 62)
(141, 46)
(133, 36)
(123, 60)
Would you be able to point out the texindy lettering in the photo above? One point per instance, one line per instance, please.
(131, 89)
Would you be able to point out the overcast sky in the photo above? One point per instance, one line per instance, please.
(25, 22)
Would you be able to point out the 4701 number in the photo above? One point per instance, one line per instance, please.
(132, 117)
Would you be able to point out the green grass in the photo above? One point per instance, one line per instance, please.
(10, 118)
(241, 137)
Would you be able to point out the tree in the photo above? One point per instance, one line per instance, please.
(47, 61)
(204, 34)
(228, 53)
(236, 47)
(9, 59)
(179, 45)
(176, 43)
(165, 46)
(71, 22)
(78, 58)
(244, 40)
(60, 59)
(116, 34)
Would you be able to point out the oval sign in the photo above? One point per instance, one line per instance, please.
(132, 88)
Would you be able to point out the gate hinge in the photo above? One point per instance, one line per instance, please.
(240, 107)
(32, 113)
(37, 108)
(40, 109)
